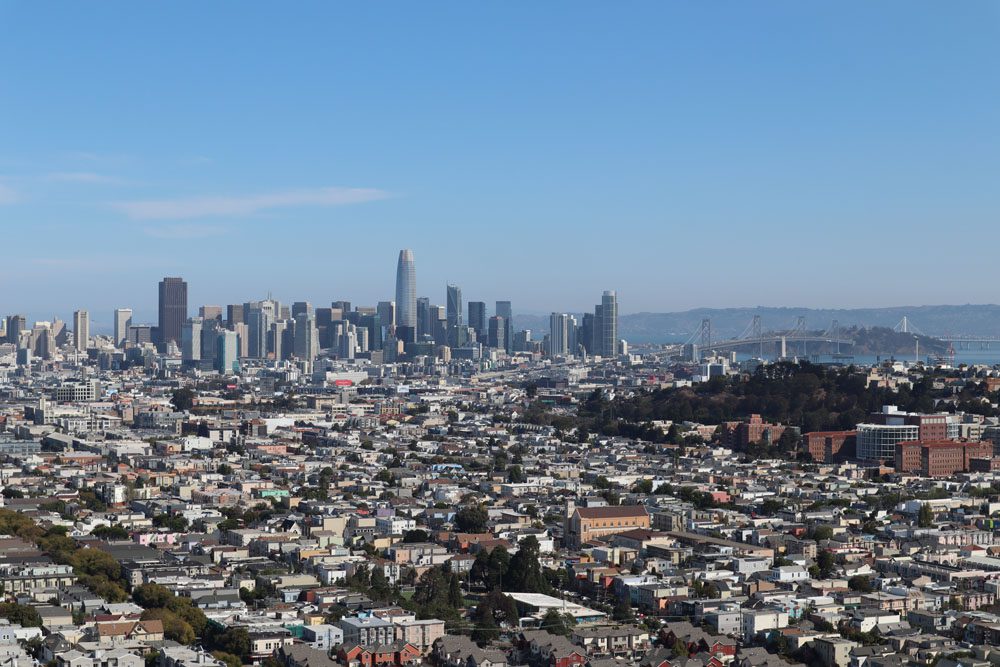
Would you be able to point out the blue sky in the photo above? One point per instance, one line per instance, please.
(687, 154)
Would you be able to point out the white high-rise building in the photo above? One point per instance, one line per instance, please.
(406, 291)
(306, 337)
(558, 334)
(191, 339)
(123, 320)
(81, 330)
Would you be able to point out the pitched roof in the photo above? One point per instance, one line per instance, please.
(612, 512)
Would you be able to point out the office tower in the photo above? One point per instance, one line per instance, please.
(504, 310)
(497, 333)
(343, 306)
(207, 313)
(242, 339)
(324, 319)
(438, 324)
(406, 291)
(456, 325)
(336, 333)
(191, 339)
(454, 306)
(306, 337)
(139, 334)
(572, 342)
(209, 335)
(477, 319)
(234, 314)
(281, 331)
(123, 320)
(586, 334)
(522, 341)
(81, 330)
(373, 325)
(348, 342)
(15, 325)
(61, 333)
(387, 314)
(607, 325)
(227, 352)
(173, 310)
(300, 307)
(259, 316)
(558, 334)
(423, 317)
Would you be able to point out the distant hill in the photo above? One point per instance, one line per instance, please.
(977, 320)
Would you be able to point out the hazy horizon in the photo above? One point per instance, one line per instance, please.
(684, 154)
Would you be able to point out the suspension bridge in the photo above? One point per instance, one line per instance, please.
(760, 341)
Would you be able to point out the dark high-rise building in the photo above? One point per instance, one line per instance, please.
(453, 306)
(301, 308)
(504, 310)
(586, 336)
(439, 325)
(605, 336)
(423, 317)
(456, 325)
(235, 314)
(477, 319)
(173, 310)
(15, 325)
(406, 291)
(497, 331)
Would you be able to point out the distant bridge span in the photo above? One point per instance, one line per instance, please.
(776, 339)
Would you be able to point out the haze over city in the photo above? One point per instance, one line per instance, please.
(499, 334)
(685, 154)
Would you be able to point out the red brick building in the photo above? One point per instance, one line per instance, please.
(829, 446)
(939, 458)
(740, 434)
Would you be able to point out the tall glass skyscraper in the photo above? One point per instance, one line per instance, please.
(608, 323)
(406, 291)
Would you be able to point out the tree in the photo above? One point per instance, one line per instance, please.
(525, 572)
(11, 492)
(826, 562)
(494, 611)
(380, 590)
(174, 627)
(151, 596)
(471, 519)
(233, 640)
(416, 536)
(821, 533)
(860, 583)
(558, 624)
(644, 486)
(182, 399)
(515, 475)
(110, 533)
(24, 615)
(622, 610)
(228, 658)
(925, 518)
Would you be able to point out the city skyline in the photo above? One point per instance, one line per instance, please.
(847, 129)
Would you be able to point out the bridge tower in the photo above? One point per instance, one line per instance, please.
(757, 334)
(706, 334)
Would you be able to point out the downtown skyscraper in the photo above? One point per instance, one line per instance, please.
(406, 295)
(172, 310)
